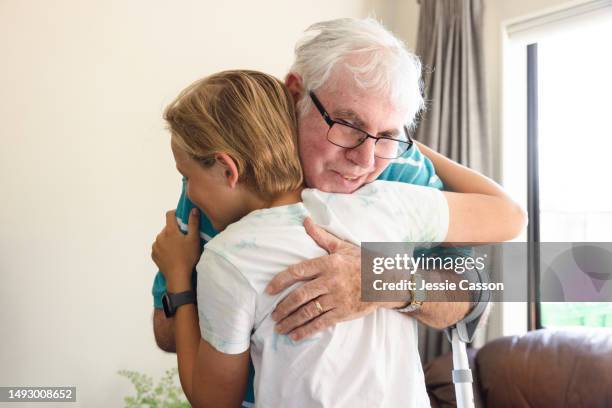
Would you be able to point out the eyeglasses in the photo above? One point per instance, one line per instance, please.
(345, 135)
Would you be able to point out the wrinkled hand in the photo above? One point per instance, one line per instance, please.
(332, 293)
(175, 253)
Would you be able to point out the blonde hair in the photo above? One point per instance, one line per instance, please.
(248, 115)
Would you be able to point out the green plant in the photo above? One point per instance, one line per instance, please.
(166, 394)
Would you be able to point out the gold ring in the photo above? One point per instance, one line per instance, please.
(318, 305)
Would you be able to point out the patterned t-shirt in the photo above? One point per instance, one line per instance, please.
(412, 168)
(372, 361)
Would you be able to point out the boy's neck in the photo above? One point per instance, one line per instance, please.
(252, 202)
(290, 197)
(244, 201)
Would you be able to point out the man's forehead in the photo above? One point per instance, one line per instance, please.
(348, 114)
(345, 97)
(364, 111)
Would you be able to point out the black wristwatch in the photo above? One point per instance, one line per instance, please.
(172, 301)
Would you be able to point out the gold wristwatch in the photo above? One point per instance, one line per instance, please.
(417, 296)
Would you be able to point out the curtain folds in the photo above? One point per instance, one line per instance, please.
(449, 43)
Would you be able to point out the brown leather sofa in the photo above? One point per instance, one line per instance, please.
(544, 368)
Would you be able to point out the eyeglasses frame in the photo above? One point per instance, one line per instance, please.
(330, 122)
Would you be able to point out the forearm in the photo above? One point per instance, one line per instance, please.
(187, 337)
(440, 309)
(459, 178)
(444, 308)
(440, 315)
(187, 340)
(482, 212)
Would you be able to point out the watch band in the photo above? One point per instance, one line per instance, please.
(172, 301)
(417, 296)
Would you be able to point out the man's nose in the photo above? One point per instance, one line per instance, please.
(362, 155)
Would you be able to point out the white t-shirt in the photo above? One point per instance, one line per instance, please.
(368, 362)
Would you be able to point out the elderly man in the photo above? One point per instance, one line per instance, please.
(350, 73)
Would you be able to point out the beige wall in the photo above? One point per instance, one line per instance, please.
(86, 172)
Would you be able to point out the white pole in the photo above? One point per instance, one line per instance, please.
(462, 375)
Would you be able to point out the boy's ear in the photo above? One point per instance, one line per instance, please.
(294, 83)
(230, 170)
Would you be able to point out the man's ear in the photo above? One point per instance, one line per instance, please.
(294, 83)
(230, 170)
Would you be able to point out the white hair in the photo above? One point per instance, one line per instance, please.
(379, 62)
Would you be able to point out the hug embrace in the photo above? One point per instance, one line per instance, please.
(282, 182)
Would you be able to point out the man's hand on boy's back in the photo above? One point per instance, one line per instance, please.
(332, 293)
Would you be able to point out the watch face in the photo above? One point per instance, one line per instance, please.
(167, 305)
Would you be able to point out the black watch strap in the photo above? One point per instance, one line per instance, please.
(172, 301)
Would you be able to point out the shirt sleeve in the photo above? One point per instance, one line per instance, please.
(422, 214)
(415, 168)
(395, 212)
(412, 168)
(226, 304)
(183, 208)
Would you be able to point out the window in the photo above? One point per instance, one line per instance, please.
(567, 153)
(575, 149)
